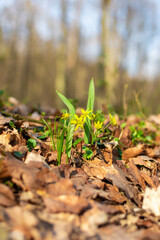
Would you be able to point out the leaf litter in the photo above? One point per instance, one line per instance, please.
(115, 195)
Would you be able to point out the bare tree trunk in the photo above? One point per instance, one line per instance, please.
(103, 68)
(73, 88)
(60, 78)
(27, 73)
(108, 60)
(12, 67)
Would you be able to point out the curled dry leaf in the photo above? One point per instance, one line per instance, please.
(133, 152)
(148, 180)
(7, 198)
(153, 152)
(9, 139)
(95, 168)
(110, 194)
(146, 162)
(117, 177)
(19, 172)
(134, 171)
(35, 159)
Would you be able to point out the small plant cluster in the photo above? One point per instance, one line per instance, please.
(92, 125)
(138, 134)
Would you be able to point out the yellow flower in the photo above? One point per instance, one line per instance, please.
(93, 116)
(65, 116)
(85, 114)
(113, 119)
(98, 125)
(78, 121)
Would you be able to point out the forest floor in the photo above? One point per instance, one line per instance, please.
(113, 195)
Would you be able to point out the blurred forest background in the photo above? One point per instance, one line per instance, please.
(61, 44)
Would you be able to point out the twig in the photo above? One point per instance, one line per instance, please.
(18, 117)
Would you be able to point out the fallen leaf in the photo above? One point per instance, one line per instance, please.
(62, 187)
(134, 171)
(151, 200)
(133, 152)
(117, 177)
(7, 198)
(95, 168)
(19, 172)
(66, 203)
(92, 219)
(34, 159)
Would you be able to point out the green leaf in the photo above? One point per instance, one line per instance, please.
(123, 125)
(60, 147)
(67, 103)
(91, 96)
(11, 124)
(87, 131)
(132, 128)
(1, 92)
(31, 143)
(90, 106)
(88, 154)
(44, 135)
(77, 141)
(18, 154)
(69, 139)
(116, 139)
(141, 124)
(148, 138)
(98, 138)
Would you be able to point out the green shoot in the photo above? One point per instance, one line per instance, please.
(90, 106)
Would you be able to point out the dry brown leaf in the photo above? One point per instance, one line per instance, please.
(7, 198)
(134, 171)
(62, 187)
(151, 201)
(5, 140)
(125, 137)
(25, 224)
(98, 183)
(5, 120)
(95, 168)
(36, 160)
(66, 203)
(19, 172)
(116, 175)
(113, 209)
(133, 152)
(92, 219)
(153, 152)
(110, 194)
(148, 179)
(21, 220)
(148, 163)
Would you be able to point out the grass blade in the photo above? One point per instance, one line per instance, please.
(60, 146)
(67, 103)
(69, 139)
(90, 106)
(91, 96)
